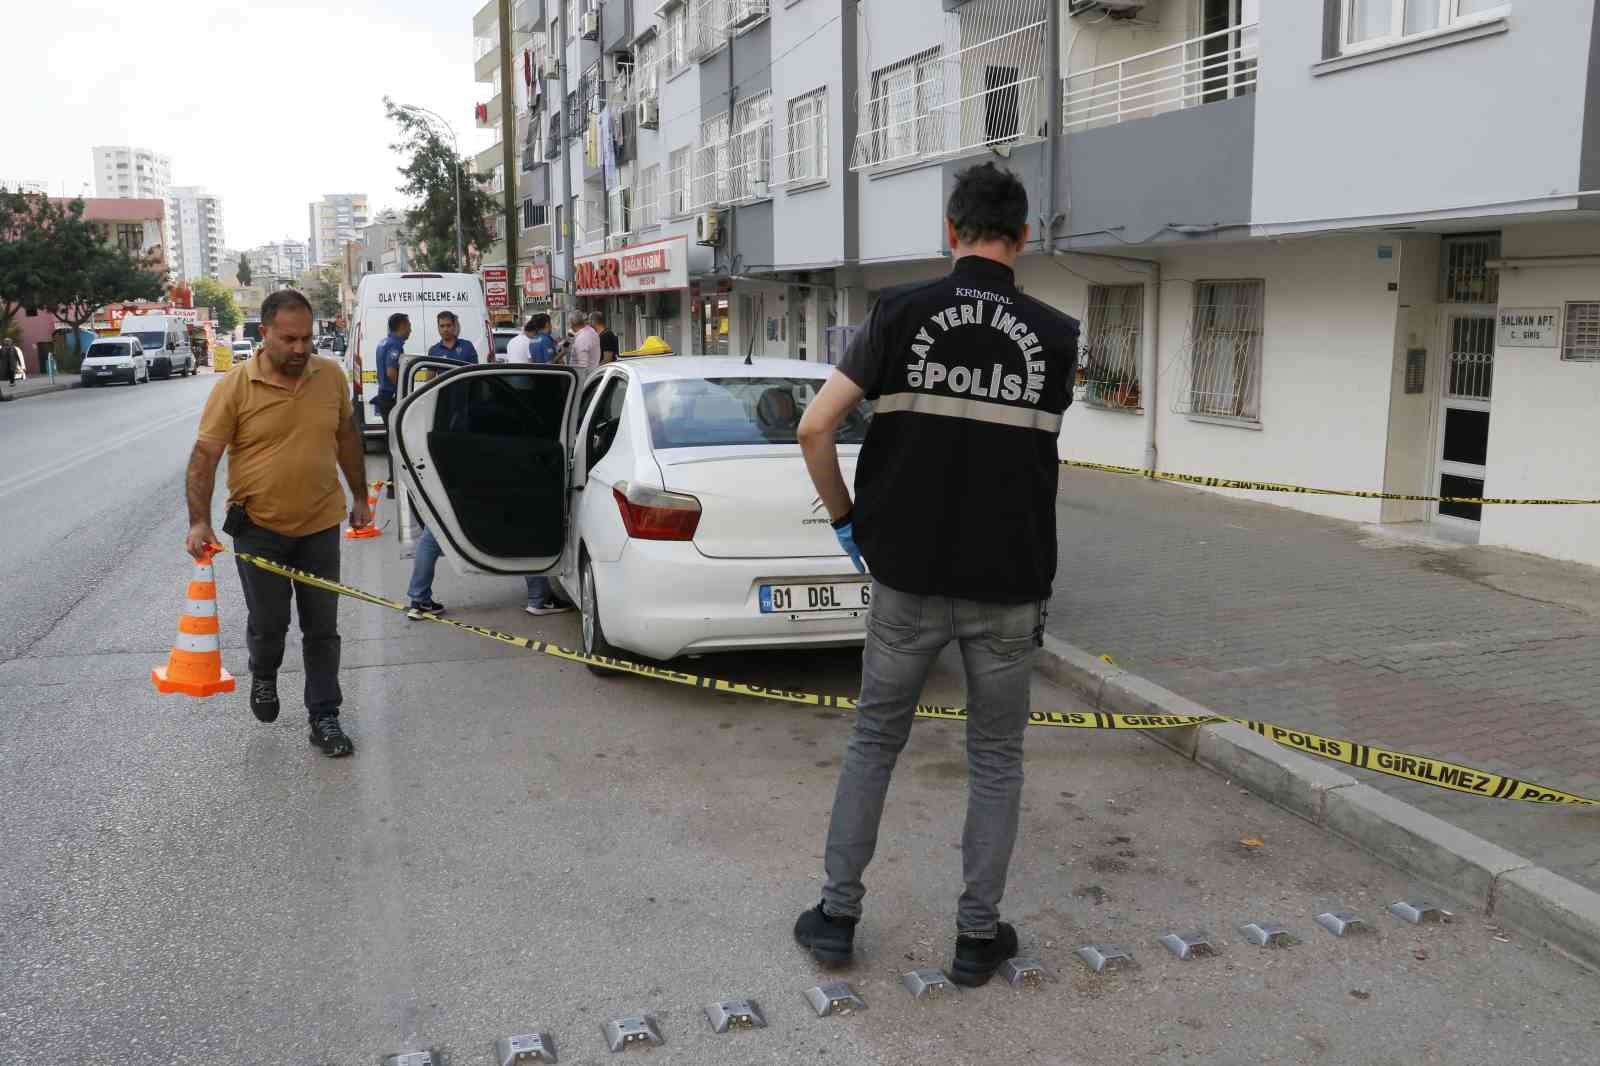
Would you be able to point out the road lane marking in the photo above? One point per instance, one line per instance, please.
(99, 450)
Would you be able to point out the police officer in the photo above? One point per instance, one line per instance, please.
(955, 510)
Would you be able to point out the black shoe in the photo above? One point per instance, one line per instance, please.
(327, 734)
(831, 940)
(977, 960)
(264, 697)
(419, 608)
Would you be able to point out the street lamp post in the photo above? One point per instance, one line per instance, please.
(461, 262)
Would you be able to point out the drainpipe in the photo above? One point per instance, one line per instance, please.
(1049, 216)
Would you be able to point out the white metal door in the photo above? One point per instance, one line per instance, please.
(1463, 431)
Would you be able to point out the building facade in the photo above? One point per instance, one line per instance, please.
(277, 262)
(198, 245)
(336, 220)
(1340, 245)
(124, 172)
(38, 187)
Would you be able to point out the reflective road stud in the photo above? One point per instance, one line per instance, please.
(1418, 911)
(835, 997)
(1099, 956)
(1028, 973)
(729, 1014)
(520, 1050)
(410, 1058)
(923, 984)
(1267, 934)
(195, 666)
(1191, 945)
(1342, 923)
(636, 1030)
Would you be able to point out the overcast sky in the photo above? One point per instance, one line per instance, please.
(267, 104)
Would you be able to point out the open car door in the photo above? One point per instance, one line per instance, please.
(485, 450)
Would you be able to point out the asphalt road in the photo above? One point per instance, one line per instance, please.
(519, 844)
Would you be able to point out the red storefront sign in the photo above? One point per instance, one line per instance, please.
(658, 266)
(535, 281)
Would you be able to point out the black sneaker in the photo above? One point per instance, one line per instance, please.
(977, 960)
(328, 734)
(419, 608)
(830, 940)
(264, 697)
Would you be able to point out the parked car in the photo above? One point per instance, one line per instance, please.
(242, 350)
(112, 359)
(165, 339)
(502, 340)
(668, 498)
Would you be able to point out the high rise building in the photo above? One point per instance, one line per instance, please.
(336, 220)
(280, 261)
(42, 188)
(122, 172)
(195, 218)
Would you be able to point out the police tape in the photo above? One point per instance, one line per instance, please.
(1272, 486)
(1386, 761)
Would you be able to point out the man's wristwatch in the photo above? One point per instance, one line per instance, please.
(844, 519)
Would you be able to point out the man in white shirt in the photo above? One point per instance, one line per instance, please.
(585, 345)
(520, 350)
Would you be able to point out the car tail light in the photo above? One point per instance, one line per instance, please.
(651, 514)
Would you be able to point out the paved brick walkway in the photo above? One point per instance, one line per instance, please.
(1477, 655)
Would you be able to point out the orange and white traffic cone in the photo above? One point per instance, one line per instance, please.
(195, 666)
(374, 493)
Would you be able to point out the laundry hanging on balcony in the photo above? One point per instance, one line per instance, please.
(608, 151)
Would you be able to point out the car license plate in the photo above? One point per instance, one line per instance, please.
(823, 596)
(102, 370)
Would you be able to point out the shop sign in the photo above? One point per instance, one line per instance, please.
(1529, 327)
(535, 281)
(496, 287)
(654, 267)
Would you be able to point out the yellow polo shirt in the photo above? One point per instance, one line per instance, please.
(283, 463)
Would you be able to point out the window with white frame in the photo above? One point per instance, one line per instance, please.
(647, 207)
(904, 98)
(1225, 358)
(1373, 23)
(750, 152)
(710, 163)
(807, 143)
(619, 211)
(674, 39)
(678, 182)
(646, 56)
(1580, 335)
(1109, 367)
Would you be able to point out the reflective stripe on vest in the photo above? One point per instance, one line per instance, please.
(998, 414)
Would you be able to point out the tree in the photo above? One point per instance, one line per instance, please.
(244, 269)
(430, 180)
(323, 291)
(28, 265)
(91, 273)
(209, 293)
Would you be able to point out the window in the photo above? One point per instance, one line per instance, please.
(904, 97)
(619, 211)
(1225, 361)
(605, 421)
(807, 153)
(730, 412)
(1464, 265)
(1580, 338)
(648, 205)
(1109, 372)
(710, 162)
(678, 182)
(533, 214)
(130, 237)
(1371, 23)
(750, 153)
(675, 39)
(561, 228)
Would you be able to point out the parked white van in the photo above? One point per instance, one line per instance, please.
(165, 339)
(421, 297)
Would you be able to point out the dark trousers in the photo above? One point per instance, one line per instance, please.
(267, 597)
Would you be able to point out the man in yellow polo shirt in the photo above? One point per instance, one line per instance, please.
(284, 420)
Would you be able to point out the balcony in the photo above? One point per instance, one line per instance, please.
(708, 26)
(527, 16)
(485, 161)
(489, 118)
(486, 53)
(1202, 70)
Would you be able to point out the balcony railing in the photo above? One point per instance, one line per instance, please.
(709, 22)
(1202, 70)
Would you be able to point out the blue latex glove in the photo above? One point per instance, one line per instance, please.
(847, 540)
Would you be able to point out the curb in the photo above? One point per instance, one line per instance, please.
(1518, 894)
(45, 390)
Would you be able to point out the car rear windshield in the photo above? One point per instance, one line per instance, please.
(152, 341)
(108, 349)
(708, 412)
(502, 343)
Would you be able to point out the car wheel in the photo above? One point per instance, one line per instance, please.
(594, 634)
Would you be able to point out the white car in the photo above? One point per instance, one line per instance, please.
(242, 350)
(111, 359)
(667, 497)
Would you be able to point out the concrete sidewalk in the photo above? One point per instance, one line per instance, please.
(1475, 655)
(40, 385)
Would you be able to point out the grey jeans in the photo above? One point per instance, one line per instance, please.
(905, 633)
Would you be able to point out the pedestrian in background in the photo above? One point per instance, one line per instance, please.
(452, 345)
(284, 421)
(542, 349)
(970, 378)
(609, 347)
(519, 348)
(10, 364)
(390, 351)
(585, 344)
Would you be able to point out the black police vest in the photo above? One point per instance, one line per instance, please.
(956, 482)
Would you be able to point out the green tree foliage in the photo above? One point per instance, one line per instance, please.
(209, 293)
(27, 262)
(322, 289)
(89, 273)
(244, 269)
(429, 177)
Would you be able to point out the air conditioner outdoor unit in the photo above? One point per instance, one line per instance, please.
(708, 228)
(550, 67)
(1114, 8)
(649, 113)
(591, 25)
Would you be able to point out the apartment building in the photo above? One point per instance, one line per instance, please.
(282, 260)
(336, 220)
(197, 242)
(1338, 244)
(36, 186)
(125, 172)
